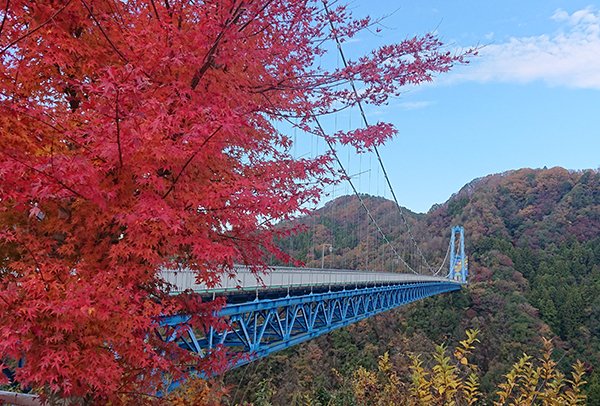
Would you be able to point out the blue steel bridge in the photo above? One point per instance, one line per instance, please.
(288, 306)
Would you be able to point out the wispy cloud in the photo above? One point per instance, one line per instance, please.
(568, 57)
(414, 105)
(374, 111)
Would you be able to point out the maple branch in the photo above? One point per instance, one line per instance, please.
(114, 47)
(4, 16)
(118, 129)
(35, 261)
(189, 160)
(28, 33)
(116, 11)
(61, 183)
(210, 55)
(247, 23)
(208, 60)
(60, 131)
(155, 10)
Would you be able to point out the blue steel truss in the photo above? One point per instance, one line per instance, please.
(261, 327)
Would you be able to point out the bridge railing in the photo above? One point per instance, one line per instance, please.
(288, 277)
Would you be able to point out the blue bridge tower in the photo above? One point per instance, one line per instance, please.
(459, 262)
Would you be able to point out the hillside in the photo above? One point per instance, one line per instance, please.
(534, 246)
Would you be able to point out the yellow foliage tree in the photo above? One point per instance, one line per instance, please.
(196, 392)
(378, 388)
(453, 380)
(534, 382)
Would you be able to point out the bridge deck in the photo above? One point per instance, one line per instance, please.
(288, 277)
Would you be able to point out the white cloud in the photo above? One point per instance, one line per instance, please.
(569, 57)
(385, 111)
(414, 105)
(353, 40)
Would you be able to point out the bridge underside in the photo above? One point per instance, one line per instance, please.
(265, 325)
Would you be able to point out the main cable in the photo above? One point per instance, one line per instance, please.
(443, 262)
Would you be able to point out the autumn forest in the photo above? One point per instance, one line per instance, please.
(535, 255)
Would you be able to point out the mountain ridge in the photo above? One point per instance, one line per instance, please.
(533, 237)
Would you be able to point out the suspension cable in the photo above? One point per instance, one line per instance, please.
(443, 262)
(364, 117)
(360, 199)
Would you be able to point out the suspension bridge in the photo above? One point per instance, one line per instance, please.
(288, 306)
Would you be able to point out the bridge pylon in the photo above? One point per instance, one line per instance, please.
(459, 262)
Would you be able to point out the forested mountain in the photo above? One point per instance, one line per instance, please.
(533, 237)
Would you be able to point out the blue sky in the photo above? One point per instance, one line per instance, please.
(530, 99)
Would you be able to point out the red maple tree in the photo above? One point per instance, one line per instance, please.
(142, 134)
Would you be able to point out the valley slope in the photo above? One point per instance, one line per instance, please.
(533, 237)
